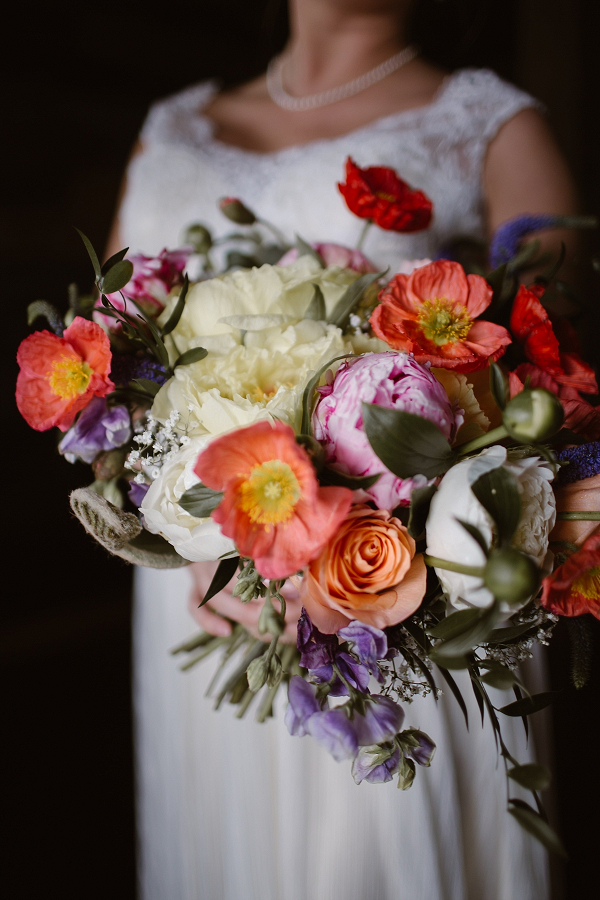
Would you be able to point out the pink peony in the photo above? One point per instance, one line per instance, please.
(152, 280)
(334, 255)
(395, 381)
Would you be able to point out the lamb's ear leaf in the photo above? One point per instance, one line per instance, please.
(225, 572)
(407, 444)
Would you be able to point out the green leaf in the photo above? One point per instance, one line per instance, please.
(475, 534)
(147, 386)
(509, 634)
(92, 253)
(309, 390)
(305, 249)
(457, 694)
(498, 385)
(116, 278)
(316, 308)
(498, 676)
(112, 260)
(449, 662)
(532, 776)
(405, 443)
(199, 501)
(191, 356)
(350, 299)
(406, 773)
(524, 257)
(354, 482)
(41, 309)
(529, 705)
(225, 572)
(532, 822)
(470, 630)
(498, 493)
(175, 316)
(455, 624)
(235, 258)
(420, 501)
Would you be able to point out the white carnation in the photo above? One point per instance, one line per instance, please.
(447, 539)
(194, 539)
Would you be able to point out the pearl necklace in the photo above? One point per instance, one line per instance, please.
(280, 96)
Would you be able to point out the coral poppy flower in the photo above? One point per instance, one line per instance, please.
(431, 313)
(273, 507)
(377, 193)
(60, 375)
(532, 327)
(573, 589)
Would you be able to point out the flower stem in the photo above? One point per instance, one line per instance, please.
(275, 231)
(476, 571)
(591, 515)
(492, 437)
(363, 234)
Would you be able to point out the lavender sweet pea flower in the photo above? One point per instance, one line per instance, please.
(302, 705)
(369, 644)
(137, 492)
(373, 765)
(381, 722)
(99, 427)
(330, 727)
(316, 649)
(424, 752)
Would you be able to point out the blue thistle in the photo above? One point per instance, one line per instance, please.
(583, 462)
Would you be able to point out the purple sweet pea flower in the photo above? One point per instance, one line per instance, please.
(302, 705)
(316, 649)
(319, 652)
(369, 644)
(381, 722)
(368, 765)
(423, 754)
(137, 492)
(330, 727)
(99, 427)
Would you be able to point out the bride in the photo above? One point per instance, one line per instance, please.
(228, 809)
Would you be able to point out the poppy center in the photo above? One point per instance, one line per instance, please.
(69, 377)
(270, 493)
(444, 322)
(383, 196)
(588, 584)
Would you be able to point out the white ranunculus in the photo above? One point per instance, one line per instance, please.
(263, 378)
(217, 310)
(454, 500)
(194, 539)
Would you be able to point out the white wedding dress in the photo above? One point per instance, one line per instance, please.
(233, 810)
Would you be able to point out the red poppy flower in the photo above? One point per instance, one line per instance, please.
(580, 416)
(273, 507)
(573, 589)
(531, 325)
(431, 313)
(60, 375)
(377, 193)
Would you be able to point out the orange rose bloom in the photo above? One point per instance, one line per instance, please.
(368, 571)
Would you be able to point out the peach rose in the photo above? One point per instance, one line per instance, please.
(368, 571)
(579, 496)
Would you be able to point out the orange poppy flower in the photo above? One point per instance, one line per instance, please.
(432, 313)
(573, 589)
(273, 507)
(60, 375)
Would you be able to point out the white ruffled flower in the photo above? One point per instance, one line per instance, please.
(194, 539)
(447, 539)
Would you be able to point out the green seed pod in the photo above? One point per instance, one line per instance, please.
(511, 576)
(533, 416)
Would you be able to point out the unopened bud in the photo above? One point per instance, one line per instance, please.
(199, 237)
(109, 463)
(511, 576)
(275, 671)
(270, 621)
(533, 415)
(257, 673)
(235, 210)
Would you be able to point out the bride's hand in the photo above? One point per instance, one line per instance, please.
(212, 617)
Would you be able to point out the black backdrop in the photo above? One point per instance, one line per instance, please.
(78, 80)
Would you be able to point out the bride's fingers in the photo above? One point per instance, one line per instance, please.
(206, 618)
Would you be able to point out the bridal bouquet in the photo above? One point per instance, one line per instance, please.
(411, 450)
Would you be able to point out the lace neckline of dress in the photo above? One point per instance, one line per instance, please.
(203, 93)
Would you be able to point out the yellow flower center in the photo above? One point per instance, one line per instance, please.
(270, 493)
(588, 584)
(383, 196)
(442, 324)
(69, 377)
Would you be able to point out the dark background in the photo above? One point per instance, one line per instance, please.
(78, 80)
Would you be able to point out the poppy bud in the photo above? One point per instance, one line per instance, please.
(199, 237)
(235, 210)
(533, 415)
(511, 576)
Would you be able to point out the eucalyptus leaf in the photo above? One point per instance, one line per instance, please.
(529, 705)
(350, 299)
(91, 253)
(199, 501)
(407, 444)
(112, 260)
(498, 493)
(147, 386)
(532, 822)
(524, 257)
(456, 623)
(116, 278)
(191, 356)
(304, 249)
(508, 634)
(354, 482)
(175, 316)
(448, 662)
(225, 572)
(532, 776)
(420, 501)
(498, 385)
(316, 308)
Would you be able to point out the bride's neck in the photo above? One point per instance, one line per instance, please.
(332, 42)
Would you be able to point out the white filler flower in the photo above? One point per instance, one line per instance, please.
(447, 539)
(194, 539)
